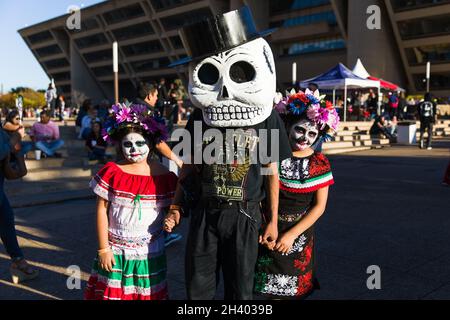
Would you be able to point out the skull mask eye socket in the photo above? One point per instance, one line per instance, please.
(242, 71)
(208, 74)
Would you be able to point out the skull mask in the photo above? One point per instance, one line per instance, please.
(235, 88)
(303, 134)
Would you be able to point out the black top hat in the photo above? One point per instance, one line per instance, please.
(218, 34)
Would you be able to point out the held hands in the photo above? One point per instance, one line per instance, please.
(106, 259)
(285, 242)
(269, 236)
(172, 220)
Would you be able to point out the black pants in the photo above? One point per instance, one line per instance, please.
(222, 237)
(428, 125)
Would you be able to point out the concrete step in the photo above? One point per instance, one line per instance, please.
(380, 141)
(58, 173)
(54, 163)
(345, 150)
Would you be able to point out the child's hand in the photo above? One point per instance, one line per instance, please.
(285, 242)
(172, 220)
(106, 260)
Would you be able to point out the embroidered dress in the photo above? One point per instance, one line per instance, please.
(135, 215)
(292, 276)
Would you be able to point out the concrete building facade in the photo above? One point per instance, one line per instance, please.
(316, 34)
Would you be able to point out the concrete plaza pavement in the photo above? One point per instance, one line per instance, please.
(387, 208)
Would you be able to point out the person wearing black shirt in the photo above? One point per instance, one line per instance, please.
(226, 219)
(427, 115)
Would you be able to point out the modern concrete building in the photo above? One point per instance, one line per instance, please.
(317, 34)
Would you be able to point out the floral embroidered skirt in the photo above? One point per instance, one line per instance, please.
(290, 276)
(134, 277)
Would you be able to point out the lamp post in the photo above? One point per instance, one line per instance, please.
(294, 73)
(428, 75)
(116, 71)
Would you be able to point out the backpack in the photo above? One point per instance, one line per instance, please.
(393, 101)
(426, 109)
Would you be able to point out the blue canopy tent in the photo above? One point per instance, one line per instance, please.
(341, 78)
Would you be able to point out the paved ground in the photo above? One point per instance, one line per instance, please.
(387, 208)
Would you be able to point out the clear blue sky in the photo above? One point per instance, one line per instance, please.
(18, 66)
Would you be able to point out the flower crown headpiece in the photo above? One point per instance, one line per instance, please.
(127, 116)
(318, 110)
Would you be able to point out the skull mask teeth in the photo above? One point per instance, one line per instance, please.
(235, 88)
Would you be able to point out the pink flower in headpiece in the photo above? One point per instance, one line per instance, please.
(124, 115)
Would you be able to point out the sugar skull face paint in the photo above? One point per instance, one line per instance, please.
(303, 134)
(135, 148)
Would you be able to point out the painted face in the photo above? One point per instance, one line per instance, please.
(303, 134)
(235, 88)
(135, 148)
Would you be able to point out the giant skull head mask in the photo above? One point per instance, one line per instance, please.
(235, 88)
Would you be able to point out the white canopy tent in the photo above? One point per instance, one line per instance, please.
(341, 78)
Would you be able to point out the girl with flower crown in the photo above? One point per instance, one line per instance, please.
(286, 270)
(132, 198)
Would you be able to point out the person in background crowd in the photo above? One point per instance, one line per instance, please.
(50, 98)
(86, 123)
(173, 114)
(148, 96)
(402, 107)
(393, 104)
(95, 144)
(61, 107)
(379, 127)
(372, 104)
(392, 126)
(45, 135)
(12, 125)
(163, 95)
(427, 116)
(83, 111)
(20, 269)
(103, 110)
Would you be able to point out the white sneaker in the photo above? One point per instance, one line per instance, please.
(429, 148)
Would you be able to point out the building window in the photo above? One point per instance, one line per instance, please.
(327, 16)
(138, 30)
(64, 89)
(91, 41)
(180, 20)
(124, 13)
(103, 55)
(167, 4)
(435, 54)
(403, 5)
(89, 24)
(438, 81)
(284, 6)
(48, 51)
(40, 37)
(316, 45)
(61, 76)
(148, 65)
(176, 42)
(428, 26)
(142, 48)
(58, 63)
(105, 71)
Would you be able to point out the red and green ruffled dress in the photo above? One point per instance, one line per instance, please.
(292, 276)
(136, 212)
